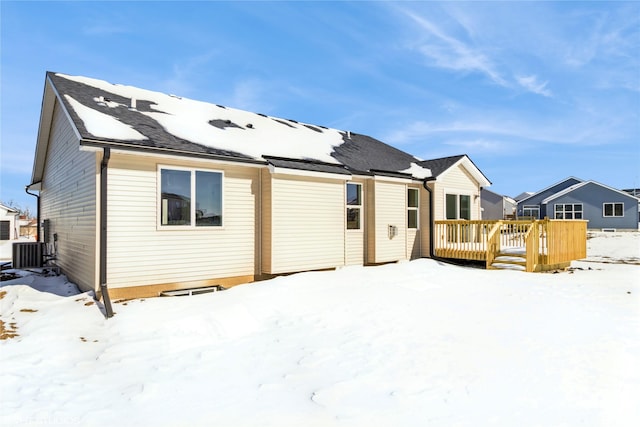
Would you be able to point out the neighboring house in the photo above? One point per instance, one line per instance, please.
(523, 195)
(8, 231)
(633, 191)
(497, 206)
(28, 227)
(148, 192)
(455, 185)
(532, 207)
(604, 207)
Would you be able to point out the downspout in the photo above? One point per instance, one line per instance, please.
(426, 187)
(103, 232)
(26, 189)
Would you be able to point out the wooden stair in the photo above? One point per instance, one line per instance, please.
(509, 261)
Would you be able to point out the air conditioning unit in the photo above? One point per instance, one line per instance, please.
(27, 255)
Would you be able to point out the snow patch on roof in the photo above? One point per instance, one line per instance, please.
(103, 125)
(417, 171)
(255, 135)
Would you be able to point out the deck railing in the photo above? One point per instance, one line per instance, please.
(565, 241)
(461, 239)
(545, 242)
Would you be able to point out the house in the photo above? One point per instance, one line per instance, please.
(604, 207)
(8, 231)
(497, 206)
(523, 195)
(455, 185)
(28, 227)
(635, 192)
(145, 192)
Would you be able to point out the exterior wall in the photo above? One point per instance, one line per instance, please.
(307, 224)
(425, 223)
(68, 200)
(413, 248)
(390, 209)
(455, 181)
(355, 239)
(141, 253)
(492, 205)
(370, 219)
(537, 198)
(592, 197)
(265, 214)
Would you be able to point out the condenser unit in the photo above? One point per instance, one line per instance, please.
(27, 255)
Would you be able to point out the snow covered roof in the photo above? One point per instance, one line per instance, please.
(133, 118)
(9, 210)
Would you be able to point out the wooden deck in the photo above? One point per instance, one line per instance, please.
(535, 245)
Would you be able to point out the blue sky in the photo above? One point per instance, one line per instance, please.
(532, 92)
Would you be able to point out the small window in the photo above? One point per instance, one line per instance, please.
(531, 211)
(465, 207)
(451, 206)
(613, 209)
(354, 206)
(5, 230)
(176, 197)
(412, 207)
(568, 211)
(458, 206)
(190, 198)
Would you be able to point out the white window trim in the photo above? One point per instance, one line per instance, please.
(192, 226)
(458, 193)
(613, 210)
(531, 207)
(410, 208)
(360, 208)
(564, 211)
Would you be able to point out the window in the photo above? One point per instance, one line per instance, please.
(412, 207)
(613, 209)
(458, 206)
(531, 211)
(354, 206)
(465, 207)
(5, 230)
(568, 211)
(190, 197)
(452, 206)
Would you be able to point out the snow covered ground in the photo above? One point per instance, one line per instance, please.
(418, 343)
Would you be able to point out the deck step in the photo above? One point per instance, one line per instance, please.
(510, 261)
(508, 266)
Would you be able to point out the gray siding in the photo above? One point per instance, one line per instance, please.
(492, 205)
(592, 197)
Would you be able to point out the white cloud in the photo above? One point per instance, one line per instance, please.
(448, 52)
(532, 84)
(482, 145)
(479, 128)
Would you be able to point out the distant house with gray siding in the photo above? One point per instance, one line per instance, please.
(603, 206)
(496, 206)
